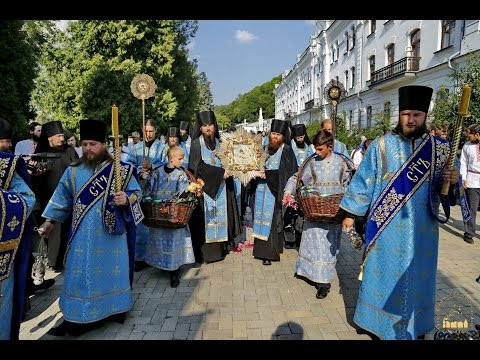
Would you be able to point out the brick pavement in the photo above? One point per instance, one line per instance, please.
(239, 298)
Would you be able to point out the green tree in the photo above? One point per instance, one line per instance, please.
(20, 44)
(93, 62)
(222, 121)
(205, 97)
(445, 109)
(247, 106)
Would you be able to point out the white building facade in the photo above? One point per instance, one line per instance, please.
(372, 59)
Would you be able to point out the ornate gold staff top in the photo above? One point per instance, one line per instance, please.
(143, 87)
(462, 114)
(116, 146)
(334, 92)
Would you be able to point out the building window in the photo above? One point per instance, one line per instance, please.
(338, 51)
(415, 41)
(346, 77)
(390, 54)
(352, 85)
(448, 32)
(359, 118)
(373, 26)
(386, 111)
(347, 43)
(369, 116)
(371, 61)
(353, 36)
(350, 120)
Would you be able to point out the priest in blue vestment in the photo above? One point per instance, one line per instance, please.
(185, 137)
(268, 230)
(145, 156)
(293, 219)
(216, 219)
(398, 184)
(101, 246)
(16, 204)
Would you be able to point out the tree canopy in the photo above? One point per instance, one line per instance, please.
(246, 106)
(20, 44)
(90, 65)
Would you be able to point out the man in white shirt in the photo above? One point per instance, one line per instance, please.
(359, 152)
(28, 146)
(470, 172)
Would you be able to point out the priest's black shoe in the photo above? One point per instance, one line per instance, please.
(266, 262)
(322, 292)
(60, 330)
(74, 329)
(174, 278)
(361, 331)
(27, 306)
(46, 284)
(118, 318)
(468, 239)
(140, 265)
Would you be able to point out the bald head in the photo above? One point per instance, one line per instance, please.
(326, 125)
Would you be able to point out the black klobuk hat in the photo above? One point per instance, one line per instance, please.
(5, 129)
(279, 126)
(52, 128)
(414, 97)
(93, 130)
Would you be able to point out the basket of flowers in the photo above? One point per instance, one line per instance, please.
(173, 213)
(317, 206)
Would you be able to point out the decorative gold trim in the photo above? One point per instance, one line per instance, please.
(143, 86)
(241, 154)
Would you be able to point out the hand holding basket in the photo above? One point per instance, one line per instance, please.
(317, 207)
(173, 213)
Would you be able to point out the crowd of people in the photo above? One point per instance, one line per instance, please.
(90, 214)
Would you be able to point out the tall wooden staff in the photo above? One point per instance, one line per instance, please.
(143, 87)
(116, 146)
(334, 92)
(462, 114)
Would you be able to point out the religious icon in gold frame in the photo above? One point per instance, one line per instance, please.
(241, 154)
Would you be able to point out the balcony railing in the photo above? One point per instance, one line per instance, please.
(397, 68)
(309, 104)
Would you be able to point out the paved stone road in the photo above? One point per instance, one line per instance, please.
(239, 298)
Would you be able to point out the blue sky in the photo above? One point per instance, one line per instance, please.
(238, 55)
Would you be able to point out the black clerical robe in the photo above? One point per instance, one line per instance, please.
(213, 178)
(276, 182)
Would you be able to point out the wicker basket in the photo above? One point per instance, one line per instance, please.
(317, 208)
(168, 213)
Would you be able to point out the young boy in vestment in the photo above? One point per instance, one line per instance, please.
(169, 248)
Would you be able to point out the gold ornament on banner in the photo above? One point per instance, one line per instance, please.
(334, 93)
(143, 87)
(241, 154)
